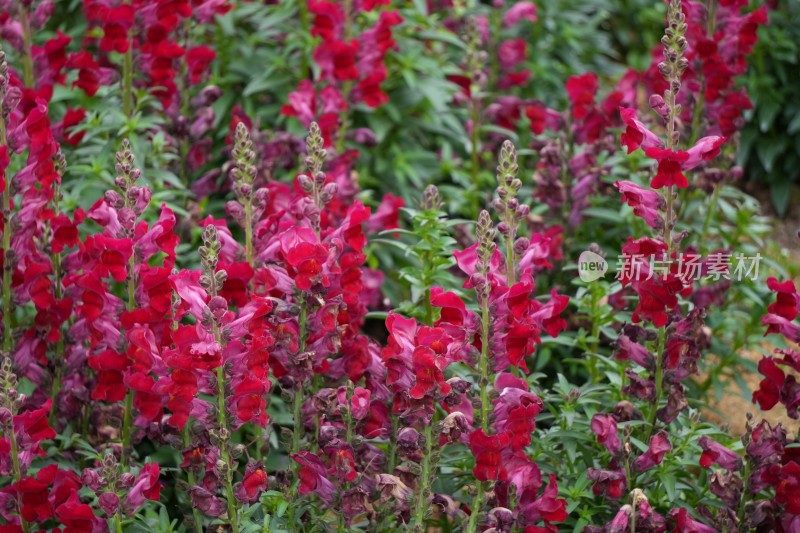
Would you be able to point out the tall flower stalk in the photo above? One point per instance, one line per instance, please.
(8, 259)
(212, 281)
(10, 402)
(127, 176)
(671, 68)
(485, 234)
(475, 68)
(243, 174)
(507, 206)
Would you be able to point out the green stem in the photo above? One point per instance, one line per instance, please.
(223, 448)
(302, 8)
(428, 308)
(348, 23)
(297, 430)
(484, 366)
(55, 259)
(595, 334)
(668, 223)
(393, 445)
(474, 144)
(128, 417)
(745, 495)
(15, 465)
(118, 521)
(126, 429)
(709, 212)
(127, 81)
(348, 85)
(651, 419)
(421, 502)
(494, 62)
(484, 396)
(511, 259)
(248, 233)
(696, 117)
(7, 340)
(198, 518)
(27, 59)
(477, 503)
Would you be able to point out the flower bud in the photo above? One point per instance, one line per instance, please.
(127, 218)
(113, 199)
(91, 479)
(521, 245)
(261, 197)
(218, 306)
(108, 502)
(235, 210)
(126, 480)
(408, 440)
(306, 184)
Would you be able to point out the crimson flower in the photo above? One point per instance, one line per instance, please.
(518, 12)
(487, 450)
(116, 23)
(605, 427)
(636, 133)
(787, 492)
(645, 203)
(705, 149)
(313, 476)
(548, 506)
(659, 446)
(198, 58)
(581, 91)
(670, 167)
(686, 524)
(307, 257)
(715, 453)
(253, 483)
(77, 517)
(787, 304)
(146, 487)
(608, 483)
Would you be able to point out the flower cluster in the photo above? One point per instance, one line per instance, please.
(270, 347)
(351, 66)
(779, 386)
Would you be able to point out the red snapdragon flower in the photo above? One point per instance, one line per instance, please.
(605, 427)
(117, 21)
(145, 487)
(636, 133)
(659, 446)
(515, 410)
(686, 524)
(670, 167)
(198, 58)
(253, 484)
(608, 483)
(715, 453)
(518, 12)
(581, 91)
(313, 476)
(306, 256)
(77, 517)
(645, 203)
(787, 492)
(487, 450)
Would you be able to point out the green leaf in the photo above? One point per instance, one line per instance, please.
(781, 193)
